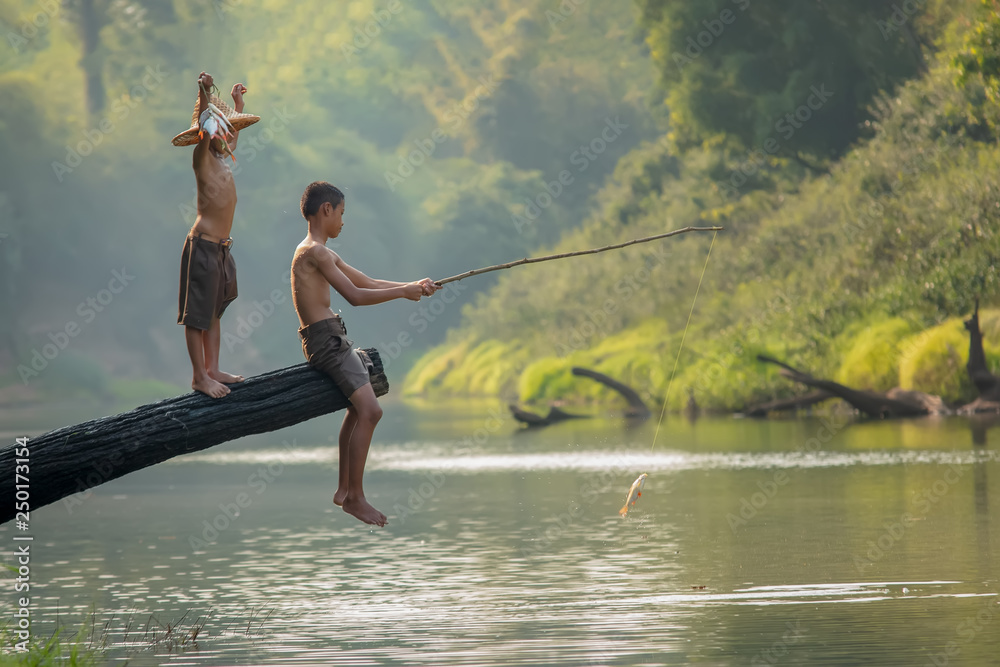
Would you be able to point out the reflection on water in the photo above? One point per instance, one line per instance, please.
(747, 546)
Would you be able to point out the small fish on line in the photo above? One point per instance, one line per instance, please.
(634, 492)
(215, 124)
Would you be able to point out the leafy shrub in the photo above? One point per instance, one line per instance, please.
(871, 361)
(934, 361)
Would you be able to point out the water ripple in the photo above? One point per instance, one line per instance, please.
(426, 459)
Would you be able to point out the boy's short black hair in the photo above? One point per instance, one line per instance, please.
(317, 194)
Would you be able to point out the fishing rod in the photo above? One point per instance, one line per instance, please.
(533, 260)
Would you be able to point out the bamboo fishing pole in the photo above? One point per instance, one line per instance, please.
(533, 260)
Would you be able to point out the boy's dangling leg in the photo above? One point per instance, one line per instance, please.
(346, 429)
(212, 341)
(368, 414)
(202, 381)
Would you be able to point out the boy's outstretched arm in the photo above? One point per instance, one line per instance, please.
(327, 263)
(361, 280)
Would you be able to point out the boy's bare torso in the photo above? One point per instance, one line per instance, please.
(310, 288)
(216, 194)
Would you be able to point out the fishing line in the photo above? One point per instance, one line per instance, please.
(683, 336)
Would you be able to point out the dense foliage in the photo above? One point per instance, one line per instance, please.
(834, 272)
(753, 70)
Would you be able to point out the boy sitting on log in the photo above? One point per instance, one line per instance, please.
(208, 273)
(315, 268)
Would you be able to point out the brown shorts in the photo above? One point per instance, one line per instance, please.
(327, 349)
(208, 281)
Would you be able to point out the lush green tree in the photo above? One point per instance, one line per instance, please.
(799, 74)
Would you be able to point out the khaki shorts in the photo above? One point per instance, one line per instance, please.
(208, 281)
(327, 349)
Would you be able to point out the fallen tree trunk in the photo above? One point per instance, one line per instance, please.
(72, 459)
(532, 420)
(782, 404)
(636, 406)
(895, 403)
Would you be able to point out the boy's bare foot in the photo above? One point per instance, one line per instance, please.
(207, 385)
(338, 498)
(359, 507)
(227, 378)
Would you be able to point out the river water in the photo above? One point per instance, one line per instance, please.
(800, 542)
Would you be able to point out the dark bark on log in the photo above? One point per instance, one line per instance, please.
(528, 418)
(896, 403)
(75, 458)
(636, 406)
(533, 420)
(557, 415)
(987, 384)
(782, 404)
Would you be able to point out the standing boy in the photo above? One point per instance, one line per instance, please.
(208, 273)
(315, 268)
